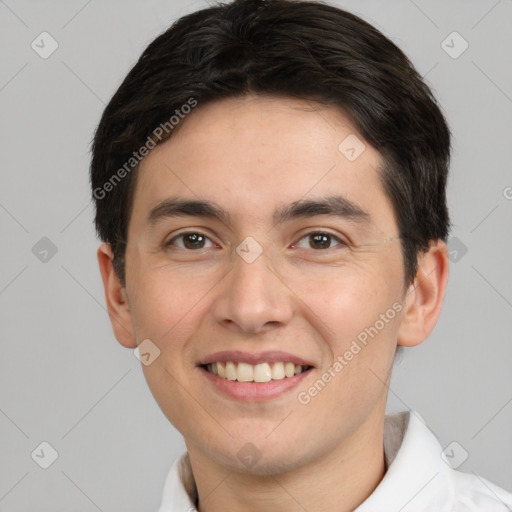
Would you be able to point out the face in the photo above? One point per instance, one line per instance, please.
(254, 281)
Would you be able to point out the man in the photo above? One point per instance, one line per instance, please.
(270, 191)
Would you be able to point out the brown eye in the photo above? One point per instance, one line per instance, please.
(321, 240)
(189, 241)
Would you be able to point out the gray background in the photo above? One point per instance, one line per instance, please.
(65, 380)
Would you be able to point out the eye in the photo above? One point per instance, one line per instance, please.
(321, 240)
(191, 240)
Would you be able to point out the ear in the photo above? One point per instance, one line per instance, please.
(116, 299)
(424, 299)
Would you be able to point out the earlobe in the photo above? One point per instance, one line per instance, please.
(424, 299)
(116, 299)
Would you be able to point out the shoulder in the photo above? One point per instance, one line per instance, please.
(421, 478)
(473, 493)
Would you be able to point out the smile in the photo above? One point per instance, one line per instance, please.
(261, 372)
(254, 377)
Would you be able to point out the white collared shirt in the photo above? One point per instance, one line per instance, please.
(418, 478)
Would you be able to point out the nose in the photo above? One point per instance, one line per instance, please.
(253, 297)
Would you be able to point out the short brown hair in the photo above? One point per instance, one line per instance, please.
(300, 49)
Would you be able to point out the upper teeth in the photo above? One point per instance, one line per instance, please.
(263, 372)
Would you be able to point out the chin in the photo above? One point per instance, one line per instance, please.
(260, 457)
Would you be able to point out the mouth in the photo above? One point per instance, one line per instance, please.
(254, 377)
(257, 373)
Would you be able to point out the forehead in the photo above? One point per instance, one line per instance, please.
(254, 154)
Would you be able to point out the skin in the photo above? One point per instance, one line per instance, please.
(252, 155)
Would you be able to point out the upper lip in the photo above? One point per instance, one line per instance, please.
(271, 356)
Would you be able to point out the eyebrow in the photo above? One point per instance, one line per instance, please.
(336, 205)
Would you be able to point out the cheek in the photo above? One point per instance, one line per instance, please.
(346, 300)
(166, 302)
(167, 308)
(364, 321)
(361, 309)
(364, 324)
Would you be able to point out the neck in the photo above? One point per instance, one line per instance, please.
(339, 480)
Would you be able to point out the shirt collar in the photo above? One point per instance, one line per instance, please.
(416, 474)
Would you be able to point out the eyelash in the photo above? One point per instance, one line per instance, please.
(310, 233)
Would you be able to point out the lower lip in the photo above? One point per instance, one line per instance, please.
(254, 391)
